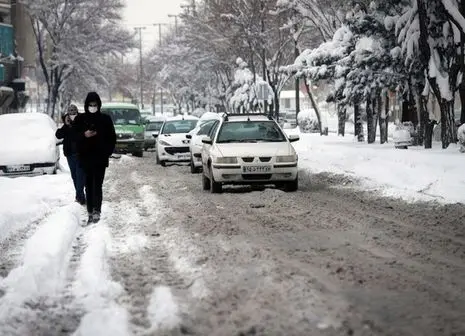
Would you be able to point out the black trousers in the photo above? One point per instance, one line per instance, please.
(95, 175)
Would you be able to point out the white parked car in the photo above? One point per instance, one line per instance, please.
(203, 128)
(249, 149)
(402, 135)
(28, 145)
(172, 144)
(152, 127)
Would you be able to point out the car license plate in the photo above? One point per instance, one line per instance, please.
(18, 168)
(184, 156)
(256, 169)
(121, 145)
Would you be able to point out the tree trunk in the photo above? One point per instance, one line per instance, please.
(371, 120)
(314, 105)
(429, 125)
(423, 116)
(448, 132)
(276, 105)
(341, 116)
(462, 101)
(358, 123)
(383, 117)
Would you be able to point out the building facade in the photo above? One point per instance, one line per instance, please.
(17, 54)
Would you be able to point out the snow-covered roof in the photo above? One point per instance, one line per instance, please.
(182, 117)
(119, 106)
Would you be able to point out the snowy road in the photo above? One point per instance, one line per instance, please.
(170, 259)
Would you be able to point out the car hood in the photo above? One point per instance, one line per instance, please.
(177, 140)
(256, 149)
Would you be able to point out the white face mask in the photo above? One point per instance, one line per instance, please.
(93, 109)
(72, 117)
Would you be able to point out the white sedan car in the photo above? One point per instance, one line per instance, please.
(28, 145)
(203, 128)
(249, 149)
(172, 144)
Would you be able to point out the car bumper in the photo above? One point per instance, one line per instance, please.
(33, 170)
(129, 146)
(174, 154)
(234, 174)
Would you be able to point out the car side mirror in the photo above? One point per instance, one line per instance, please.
(207, 140)
(155, 135)
(294, 138)
(189, 136)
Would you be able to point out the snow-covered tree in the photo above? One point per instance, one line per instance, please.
(72, 38)
(244, 91)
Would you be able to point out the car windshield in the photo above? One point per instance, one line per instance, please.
(178, 126)
(250, 131)
(124, 116)
(154, 126)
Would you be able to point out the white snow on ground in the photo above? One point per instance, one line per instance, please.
(181, 249)
(45, 260)
(163, 311)
(25, 200)
(94, 289)
(415, 174)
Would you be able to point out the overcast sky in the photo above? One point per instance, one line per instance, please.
(148, 12)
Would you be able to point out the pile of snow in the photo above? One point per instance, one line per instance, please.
(414, 174)
(26, 200)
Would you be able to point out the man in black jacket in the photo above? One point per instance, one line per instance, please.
(70, 142)
(97, 139)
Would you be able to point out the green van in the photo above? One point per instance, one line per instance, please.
(129, 127)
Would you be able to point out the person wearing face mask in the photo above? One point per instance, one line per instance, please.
(70, 143)
(97, 140)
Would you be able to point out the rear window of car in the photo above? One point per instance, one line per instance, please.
(250, 131)
(154, 126)
(178, 126)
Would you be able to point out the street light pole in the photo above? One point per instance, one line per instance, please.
(139, 29)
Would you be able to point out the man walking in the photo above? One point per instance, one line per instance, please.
(97, 139)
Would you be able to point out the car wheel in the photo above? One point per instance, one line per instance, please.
(215, 187)
(292, 186)
(138, 154)
(157, 159)
(205, 182)
(163, 163)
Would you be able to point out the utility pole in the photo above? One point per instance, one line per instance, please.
(139, 29)
(160, 45)
(175, 21)
(297, 81)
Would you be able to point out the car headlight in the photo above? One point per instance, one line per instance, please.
(163, 143)
(286, 158)
(139, 135)
(226, 160)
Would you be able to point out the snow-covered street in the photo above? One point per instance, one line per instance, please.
(170, 259)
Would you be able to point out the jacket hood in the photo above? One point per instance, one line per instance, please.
(92, 97)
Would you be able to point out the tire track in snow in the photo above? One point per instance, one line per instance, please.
(141, 263)
(34, 302)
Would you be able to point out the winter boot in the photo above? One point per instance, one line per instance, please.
(90, 220)
(96, 216)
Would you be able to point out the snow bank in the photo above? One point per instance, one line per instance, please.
(25, 200)
(415, 174)
(95, 291)
(45, 260)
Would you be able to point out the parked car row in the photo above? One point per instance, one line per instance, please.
(230, 149)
